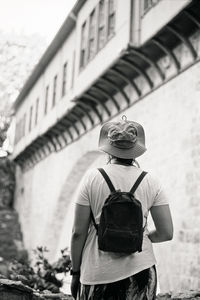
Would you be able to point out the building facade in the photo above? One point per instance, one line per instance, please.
(135, 57)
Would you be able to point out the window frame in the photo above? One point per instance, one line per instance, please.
(46, 99)
(24, 125)
(100, 29)
(111, 14)
(37, 110)
(151, 4)
(30, 117)
(55, 80)
(64, 79)
(92, 38)
(83, 50)
(101, 24)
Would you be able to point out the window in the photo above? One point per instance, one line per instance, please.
(83, 45)
(97, 30)
(101, 25)
(16, 133)
(111, 17)
(36, 111)
(148, 4)
(20, 130)
(46, 100)
(64, 82)
(54, 91)
(30, 118)
(73, 69)
(91, 41)
(24, 125)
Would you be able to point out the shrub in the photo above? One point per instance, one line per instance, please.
(43, 275)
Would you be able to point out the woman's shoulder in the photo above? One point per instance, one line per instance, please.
(153, 179)
(91, 173)
(156, 189)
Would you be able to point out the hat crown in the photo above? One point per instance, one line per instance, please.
(122, 134)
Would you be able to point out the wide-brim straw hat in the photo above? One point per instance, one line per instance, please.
(124, 139)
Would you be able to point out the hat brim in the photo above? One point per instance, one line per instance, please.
(134, 152)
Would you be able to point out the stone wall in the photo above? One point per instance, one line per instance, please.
(15, 290)
(170, 115)
(175, 153)
(187, 295)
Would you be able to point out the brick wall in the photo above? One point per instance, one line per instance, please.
(170, 115)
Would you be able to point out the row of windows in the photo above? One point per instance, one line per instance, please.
(97, 30)
(148, 4)
(34, 109)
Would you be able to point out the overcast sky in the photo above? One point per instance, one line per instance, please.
(34, 16)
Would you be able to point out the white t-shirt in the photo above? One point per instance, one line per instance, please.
(100, 267)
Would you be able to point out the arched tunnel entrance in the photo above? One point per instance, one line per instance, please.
(61, 223)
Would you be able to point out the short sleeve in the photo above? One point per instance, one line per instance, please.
(156, 192)
(160, 198)
(82, 196)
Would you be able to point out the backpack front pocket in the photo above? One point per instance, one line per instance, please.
(115, 240)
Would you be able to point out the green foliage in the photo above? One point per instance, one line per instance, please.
(43, 275)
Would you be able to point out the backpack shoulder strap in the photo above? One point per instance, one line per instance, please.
(93, 220)
(107, 179)
(136, 184)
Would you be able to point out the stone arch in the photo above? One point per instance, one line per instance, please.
(59, 227)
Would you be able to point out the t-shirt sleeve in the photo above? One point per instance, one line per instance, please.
(158, 195)
(82, 196)
(160, 198)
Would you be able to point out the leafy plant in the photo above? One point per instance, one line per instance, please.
(43, 275)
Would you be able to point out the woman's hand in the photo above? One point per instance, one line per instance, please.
(75, 285)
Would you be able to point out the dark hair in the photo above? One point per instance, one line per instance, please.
(122, 161)
(125, 161)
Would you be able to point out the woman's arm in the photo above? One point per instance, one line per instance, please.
(162, 219)
(79, 235)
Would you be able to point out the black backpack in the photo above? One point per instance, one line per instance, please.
(121, 222)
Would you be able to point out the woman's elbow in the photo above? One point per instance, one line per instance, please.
(76, 234)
